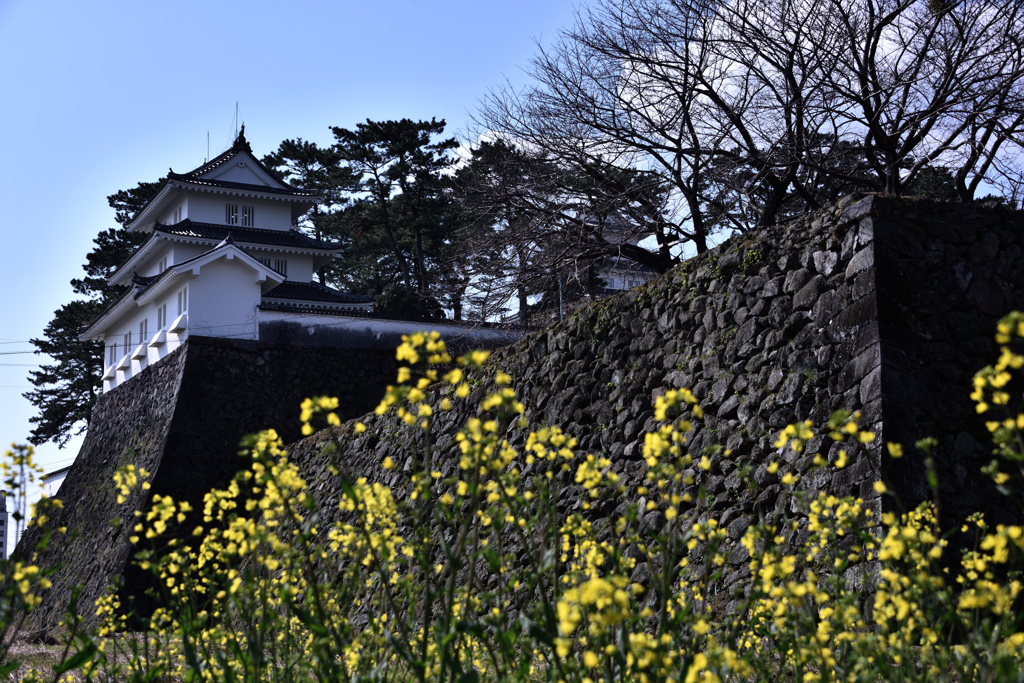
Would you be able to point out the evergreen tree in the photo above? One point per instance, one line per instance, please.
(66, 391)
(383, 185)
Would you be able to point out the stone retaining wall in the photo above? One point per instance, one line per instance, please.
(880, 306)
(182, 420)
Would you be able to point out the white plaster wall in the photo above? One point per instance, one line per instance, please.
(209, 208)
(152, 352)
(183, 252)
(238, 172)
(51, 485)
(300, 267)
(167, 217)
(223, 300)
(175, 253)
(150, 266)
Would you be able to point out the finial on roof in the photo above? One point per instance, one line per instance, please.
(240, 141)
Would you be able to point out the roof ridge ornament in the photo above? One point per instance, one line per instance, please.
(240, 142)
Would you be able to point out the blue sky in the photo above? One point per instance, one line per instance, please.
(95, 97)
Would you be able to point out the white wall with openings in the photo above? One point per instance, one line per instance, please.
(267, 214)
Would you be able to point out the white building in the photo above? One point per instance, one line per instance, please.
(53, 480)
(221, 246)
(619, 273)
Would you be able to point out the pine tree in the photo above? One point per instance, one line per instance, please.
(66, 391)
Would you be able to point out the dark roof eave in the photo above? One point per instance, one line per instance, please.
(247, 187)
(216, 162)
(314, 293)
(242, 235)
(240, 145)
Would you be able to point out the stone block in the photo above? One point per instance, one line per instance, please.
(862, 260)
(807, 296)
(825, 262)
(796, 280)
(858, 210)
(773, 287)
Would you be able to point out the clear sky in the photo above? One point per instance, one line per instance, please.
(97, 96)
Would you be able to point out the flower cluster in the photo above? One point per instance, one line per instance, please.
(522, 557)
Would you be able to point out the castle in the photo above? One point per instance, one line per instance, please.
(875, 305)
(221, 260)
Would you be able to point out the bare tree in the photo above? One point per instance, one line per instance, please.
(930, 82)
(731, 115)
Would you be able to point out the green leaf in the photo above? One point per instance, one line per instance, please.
(535, 630)
(346, 488)
(306, 618)
(76, 660)
(470, 676)
(492, 559)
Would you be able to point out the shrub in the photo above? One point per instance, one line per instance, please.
(504, 570)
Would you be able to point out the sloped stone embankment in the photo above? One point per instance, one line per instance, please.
(882, 306)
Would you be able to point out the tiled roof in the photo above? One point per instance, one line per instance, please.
(143, 280)
(240, 145)
(213, 231)
(314, 292)
(247, 187)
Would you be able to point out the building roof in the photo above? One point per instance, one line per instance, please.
(621, 263)
(248, 187)
(213, 231)
(277, 187)
(240, 145)
(148, 287)
(56, 473)
(212, 234)
(305, 292)
(314, 309)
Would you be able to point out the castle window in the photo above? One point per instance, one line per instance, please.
(162, 266)
(281, 266)
(161, 317)
(112, 353)
(143, 330)
(182, 301)
(127, 340)
(264, 261)
(231, 214)
(248, 216)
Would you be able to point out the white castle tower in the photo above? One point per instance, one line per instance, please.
(221, 257)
